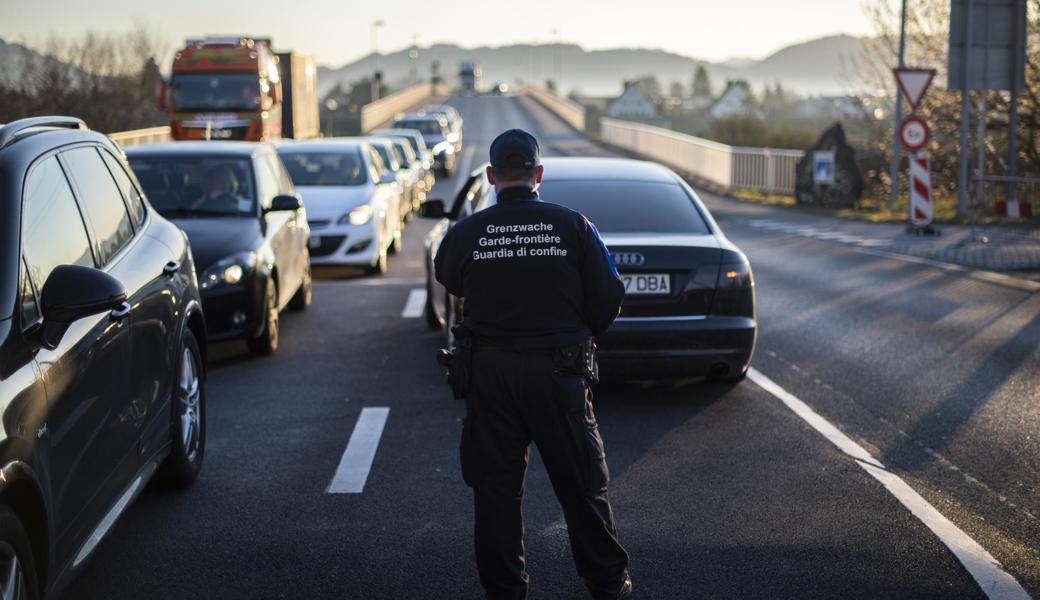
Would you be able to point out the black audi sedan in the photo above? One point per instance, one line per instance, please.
(247, 227)
(689, 308)
(102, 347)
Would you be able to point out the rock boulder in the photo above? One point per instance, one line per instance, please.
(847, 189)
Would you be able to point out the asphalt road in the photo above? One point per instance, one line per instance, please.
(719, 492)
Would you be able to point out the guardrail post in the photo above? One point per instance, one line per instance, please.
(770, 172)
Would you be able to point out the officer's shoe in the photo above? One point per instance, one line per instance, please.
(623, 593)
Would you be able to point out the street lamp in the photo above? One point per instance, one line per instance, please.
(331, 106)
(413, 54)
(375, 53)
(557, 66)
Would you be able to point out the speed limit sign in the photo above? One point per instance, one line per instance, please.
(914, 133)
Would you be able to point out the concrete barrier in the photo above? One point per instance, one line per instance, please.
(138, 137)
(571, 112)
(382, 111)
(767, 170)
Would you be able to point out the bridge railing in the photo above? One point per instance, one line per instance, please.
(383, 110)
(768, 170)
(571, 112)
(137, 137)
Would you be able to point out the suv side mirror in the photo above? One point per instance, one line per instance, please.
(71, 293)
(432, 209)
(286, 202)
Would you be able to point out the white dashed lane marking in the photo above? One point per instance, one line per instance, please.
(995, 582)
(356, 462)
(413, 307)
(818, 234)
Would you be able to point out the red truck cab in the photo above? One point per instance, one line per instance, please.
(224, 89)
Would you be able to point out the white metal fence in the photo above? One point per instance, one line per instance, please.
(137, 137)
(571, 112)
(383, 110)
(769, 170)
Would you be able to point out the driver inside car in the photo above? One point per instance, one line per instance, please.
(220, 193)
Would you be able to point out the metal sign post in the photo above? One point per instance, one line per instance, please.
(897, 117)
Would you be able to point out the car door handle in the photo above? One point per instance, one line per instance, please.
(120, 312)
(170, 269)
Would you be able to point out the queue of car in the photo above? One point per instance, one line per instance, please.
(437, 135)
(132, 263)
(117, 272)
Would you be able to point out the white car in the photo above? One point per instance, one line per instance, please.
(352, 202)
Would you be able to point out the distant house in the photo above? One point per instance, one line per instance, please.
(697, 103)
(831, 108)
(633, 104)
(736, 101)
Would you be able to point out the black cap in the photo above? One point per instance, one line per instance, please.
(516, 149)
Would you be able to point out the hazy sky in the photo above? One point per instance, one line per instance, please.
(339, 31)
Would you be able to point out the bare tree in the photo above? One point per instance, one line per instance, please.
(107, 80)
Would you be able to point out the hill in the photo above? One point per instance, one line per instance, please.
(822, 66)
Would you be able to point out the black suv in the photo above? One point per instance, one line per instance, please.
(102, 342)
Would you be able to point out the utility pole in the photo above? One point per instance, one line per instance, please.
(897, 115)
(1013, 113)
(962, 192)
(413, 54)
(980, 184)
(375, 54)
(556, 60)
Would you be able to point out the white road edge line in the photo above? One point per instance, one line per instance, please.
(995, 582)
(356, 462)
(416, 303)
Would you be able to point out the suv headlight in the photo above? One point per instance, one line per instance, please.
(230, 270)
(359, 216)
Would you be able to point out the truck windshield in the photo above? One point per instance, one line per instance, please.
(216, 92)
(196, 186)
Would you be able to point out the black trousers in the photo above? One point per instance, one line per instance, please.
(516, 398)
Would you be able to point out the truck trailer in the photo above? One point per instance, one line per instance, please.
(299, 95)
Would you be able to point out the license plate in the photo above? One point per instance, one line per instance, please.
(647, 284)
(315, 241)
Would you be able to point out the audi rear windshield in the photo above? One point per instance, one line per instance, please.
(629, 206)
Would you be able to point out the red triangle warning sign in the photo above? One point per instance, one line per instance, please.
(914, 83)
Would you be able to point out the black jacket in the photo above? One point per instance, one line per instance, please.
(533, 274)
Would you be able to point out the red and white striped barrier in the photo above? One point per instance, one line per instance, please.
(1014, 209)
(920, 190)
